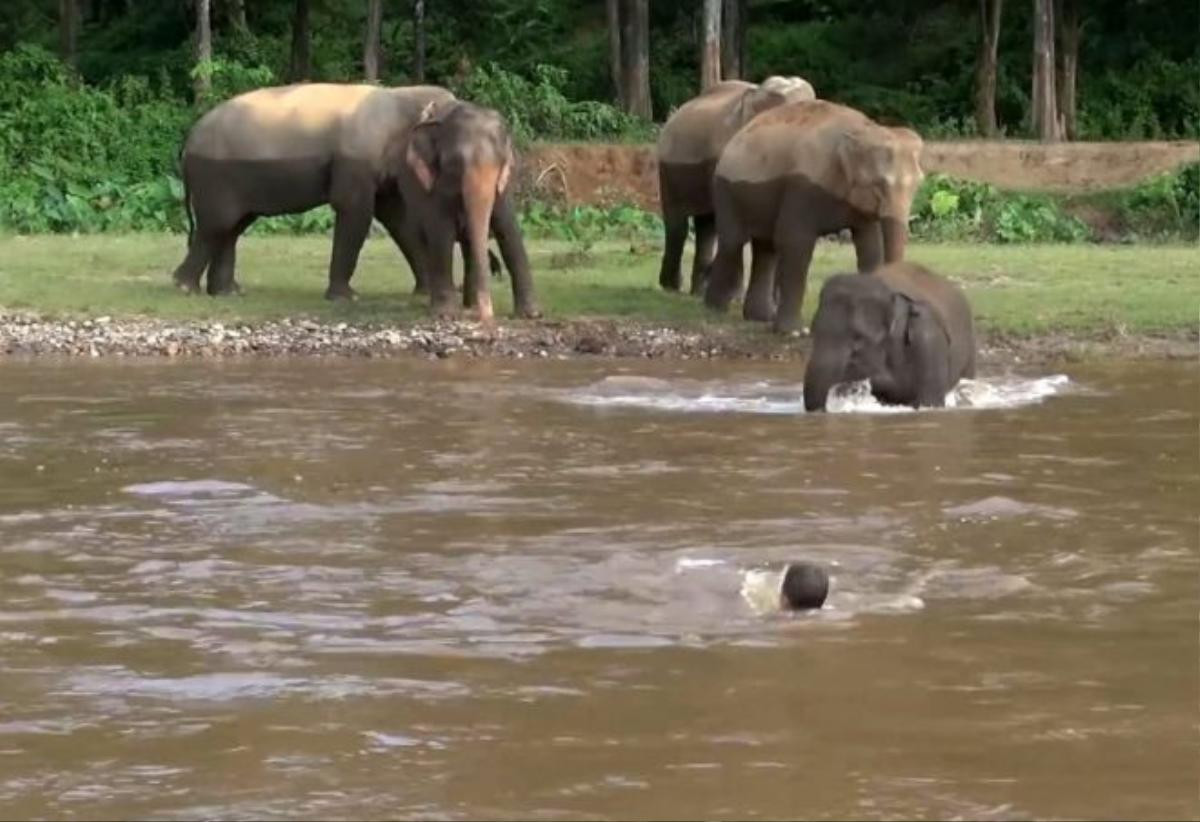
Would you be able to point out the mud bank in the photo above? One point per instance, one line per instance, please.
(31, 335)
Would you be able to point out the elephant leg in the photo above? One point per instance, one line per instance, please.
(201, 249)
(795, 255)
(675, 223)
(349, 232)
(512, 249)
(389, 210)
(439, 274)
(759, 305)
(222, 279)
(868, 245)
(706, 247)
(725, 276)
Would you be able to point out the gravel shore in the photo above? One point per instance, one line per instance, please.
(25, 334)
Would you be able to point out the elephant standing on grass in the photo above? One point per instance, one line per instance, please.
(905, 329)
(688, 147)
(797, 172)
(452, 172)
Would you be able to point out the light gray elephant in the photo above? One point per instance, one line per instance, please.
(688, 147)
(902, 327)
(287, 149)
(797, 172)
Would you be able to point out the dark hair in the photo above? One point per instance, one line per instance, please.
(804, 586)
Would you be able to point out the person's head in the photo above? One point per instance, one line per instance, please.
(804, 586)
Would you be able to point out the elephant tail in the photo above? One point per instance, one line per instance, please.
(187, 197)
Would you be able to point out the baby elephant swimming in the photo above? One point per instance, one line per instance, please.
(902, 327)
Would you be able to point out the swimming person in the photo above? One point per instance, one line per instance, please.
(799, 586)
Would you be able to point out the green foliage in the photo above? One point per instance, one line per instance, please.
(539, 109)
(582, 227)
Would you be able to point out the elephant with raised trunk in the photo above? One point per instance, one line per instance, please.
(797, 172)
(285, 150)
(452, 171)
(902, 327)
(688, 147)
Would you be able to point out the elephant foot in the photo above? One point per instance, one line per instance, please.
(760, 311)
(790, 328)
(420, 289)
(528, 311)
(234, 289)
(341, 292)
(187, 286)
(445, 310)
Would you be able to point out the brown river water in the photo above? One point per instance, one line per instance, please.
(364, 589)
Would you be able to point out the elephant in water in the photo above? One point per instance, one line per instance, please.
(452, 172)
(288, 149)
(797, 172)
(902, 327)
(688, 147)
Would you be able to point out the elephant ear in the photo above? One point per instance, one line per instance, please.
(901, 315)
(505, 170)
(421, 155)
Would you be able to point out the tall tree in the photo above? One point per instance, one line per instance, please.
(418, 70)
(235, 11)
(985, 67)
(371, 56)
(733, 39)
(635, 56)
(1044, 114)
(612, 9)
(1069, 29)
(203, 77)
(68, 31)
(710, 45)
(300, 65)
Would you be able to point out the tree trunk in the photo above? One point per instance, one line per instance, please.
(1044, 117)
(985, 69)
(635, 54)
(300, 67)
(733, 39)
(236, 11)
(710, 45)
(203, 78)
(371, 60)
(68, 32)
(1069, 35)
(418, 68)
(612, 9)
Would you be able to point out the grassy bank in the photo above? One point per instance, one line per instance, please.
(1079, 290)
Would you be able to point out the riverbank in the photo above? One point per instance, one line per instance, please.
(111, 296)
(24, 334)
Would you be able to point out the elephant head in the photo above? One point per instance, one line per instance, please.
(882, 170)
(864, 329)
(774, 91)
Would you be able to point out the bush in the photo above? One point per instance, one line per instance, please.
(538, 109)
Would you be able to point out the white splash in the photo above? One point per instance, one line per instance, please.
(761, 589)
(689, 396)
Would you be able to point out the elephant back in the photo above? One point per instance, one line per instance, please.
(948, 302)
(699, 129)
(793, 138)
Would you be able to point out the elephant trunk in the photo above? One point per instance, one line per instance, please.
(826, 367)
(895, 237)
(479, 196)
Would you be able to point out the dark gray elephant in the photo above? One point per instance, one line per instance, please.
(901, 326)
(288, 149)
(452, 172)
(793, 174)
(687, 150)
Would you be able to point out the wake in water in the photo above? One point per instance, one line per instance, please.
(690, 396)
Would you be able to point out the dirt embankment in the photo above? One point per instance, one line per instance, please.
(606, 174)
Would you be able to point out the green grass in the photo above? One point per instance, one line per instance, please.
(1076, 289)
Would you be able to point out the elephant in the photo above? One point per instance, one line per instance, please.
(286, 149)
(901, 326)
(797, 172)
(688, 147)
(452, 173)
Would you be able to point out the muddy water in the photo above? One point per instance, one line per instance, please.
(409, 589)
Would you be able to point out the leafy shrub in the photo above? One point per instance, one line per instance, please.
(538, 109)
